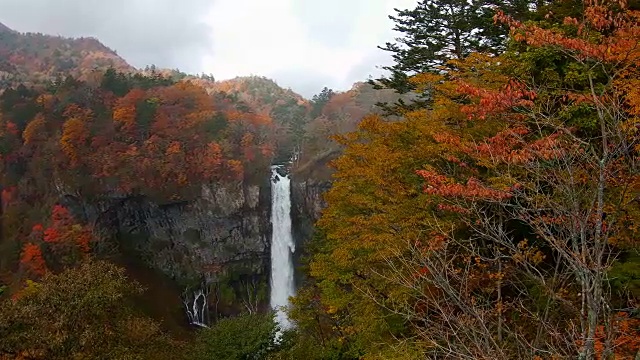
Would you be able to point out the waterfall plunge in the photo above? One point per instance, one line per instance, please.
(282, 246)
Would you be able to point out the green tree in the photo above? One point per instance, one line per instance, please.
(115, 82)
(290, 119)
(436, 31)
(81, 313)
(245, 337)
(319, 101)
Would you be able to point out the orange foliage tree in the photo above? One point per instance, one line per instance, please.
(558, 178)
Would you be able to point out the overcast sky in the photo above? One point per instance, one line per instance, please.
(302, 44)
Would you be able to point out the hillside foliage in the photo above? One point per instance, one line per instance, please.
(39, 58)
(495, 222)
(129, 135)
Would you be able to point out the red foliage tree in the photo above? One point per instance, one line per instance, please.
(31, 260)
(68, 241)
(569, 184)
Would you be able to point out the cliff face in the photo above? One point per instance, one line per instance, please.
(223, 236)
(226, 230)
(307, 203)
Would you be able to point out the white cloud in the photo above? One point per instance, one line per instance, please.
(303, 41)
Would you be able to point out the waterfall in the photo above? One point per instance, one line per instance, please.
(196, 306)
(282, 246)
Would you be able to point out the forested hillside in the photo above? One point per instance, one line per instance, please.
(333, 114)
(100, 136)
(38, 58)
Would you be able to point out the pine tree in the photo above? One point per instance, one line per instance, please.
(437, 31)
(320, 100)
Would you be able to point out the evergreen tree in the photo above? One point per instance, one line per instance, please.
(115, 82)
(319, 101)
(437, 31)
(292, 119)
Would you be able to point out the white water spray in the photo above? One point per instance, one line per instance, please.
(197, 310)
(282, 246)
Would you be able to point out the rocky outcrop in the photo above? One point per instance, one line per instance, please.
(227, 229)
(223, 235)
(307, 203)
(308, 199)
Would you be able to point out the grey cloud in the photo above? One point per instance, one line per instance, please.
(329, 22)
(304, 82)
(370, 66)
(162, 32)
(307, 82)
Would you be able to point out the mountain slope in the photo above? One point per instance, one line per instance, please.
(300, 125)
(341, 114)
(260, 92)
(36, 58)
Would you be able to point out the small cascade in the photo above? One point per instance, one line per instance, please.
(196, 307)
(282, 246)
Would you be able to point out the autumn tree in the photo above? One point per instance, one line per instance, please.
(124, 113)
(35, 130)
(65, 239)
(83, 312)
(547, 196)
(74, 136)
(32, 261)
(527, 176)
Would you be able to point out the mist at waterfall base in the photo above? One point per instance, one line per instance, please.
(282, 246)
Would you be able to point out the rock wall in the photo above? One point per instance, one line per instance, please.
(307, 203)
(224, 235)
(307, 197)
(227, 229)
(309, 182)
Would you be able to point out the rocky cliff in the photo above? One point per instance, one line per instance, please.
(307, 203)
(222, 237)
(227, 229)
